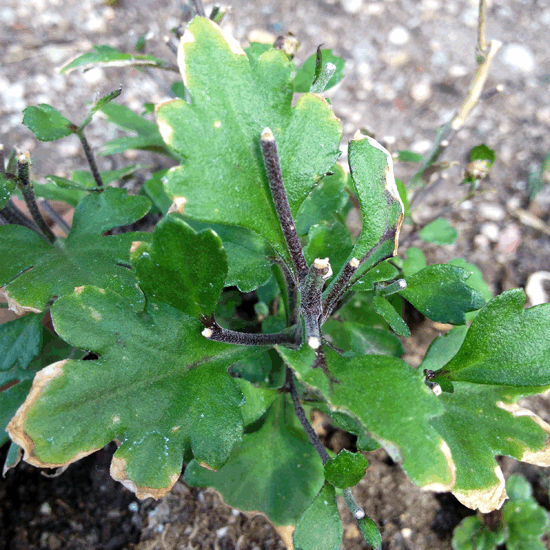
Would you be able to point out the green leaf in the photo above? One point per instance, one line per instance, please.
(153, 189)
(371, 388)
(107, 56)
(475, 281)
(47, 123)
(320, 527)
(443, 348)
(362, 339)
(257, 400)
(255, 50)
(148, 136)
(250, 257)
(326, 200)
(333, 242)
(7, 186)
(370, 532)
(527, 521)
(404, 196)
(372, 177)
(84, 257)
(382, 272)
(98, 105)
(346, 469)
(181, 267)
(470, 534)
(28, 347)
(20, 342)
(482, 152)
(441, 293)
(158, 387)
(388, 312)
(415, 261)
(178, 89)
(518, 488)
(438, 232)
(409, 156)
(304, 76)
(504, 357)
(266, 471)
(223, 179)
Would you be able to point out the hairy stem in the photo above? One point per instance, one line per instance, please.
(90, 157)
(213, 331)
(199, 8)
(354, 508)
(280, 199)
(23, 176)
(481, 45)
(302, 417)
(311, 306)
(14, 216)
(52, 212)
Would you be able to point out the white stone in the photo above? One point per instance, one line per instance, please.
(518, 58)
(94, 76)
(422, 146)
(352, 6)
(491, 231)
(458, 71)
(399, 36)
(536, 286)
(421, 91)
(492, 212)
(406, 532)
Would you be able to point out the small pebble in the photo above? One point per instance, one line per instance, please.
(352, 6)
(421, 146)
(45, 509)
(492, 212)
(399, 36)
(518, 58)
(491, 231)
(509, 239)
(406, 532)
(458, 71)
(133, 507)
(222, 531)
(538, 288)
(421, 91)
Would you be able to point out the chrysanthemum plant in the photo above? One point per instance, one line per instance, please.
(150, 347)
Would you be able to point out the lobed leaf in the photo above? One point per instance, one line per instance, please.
(504, 356)
(47, 123)
(218, 134)
(390, 315)
(371, 388)
(266, 470)
(158, 388)
(181, 267)
(441, 293)
(40, 271)
(371, 170)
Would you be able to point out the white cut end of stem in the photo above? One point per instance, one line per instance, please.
(23, 158)
(500, 87)
(402, 284)
(330, 67)
(313, 342)
(445, 143)
(207, 332)
(354, 262)
(359, 514)
(267, 135)
(436, 389)
(321, 263)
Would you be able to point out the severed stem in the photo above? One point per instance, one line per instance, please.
(23, 176)
(280, 199)
(89, 157)
(311, 306)
(319, 85)
(213, 331)
(14, 216)
(302, 417)
(339, 288)
(354, 508)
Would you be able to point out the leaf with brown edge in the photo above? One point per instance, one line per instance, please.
(158, 388)
(223, 177)
(502, 358)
